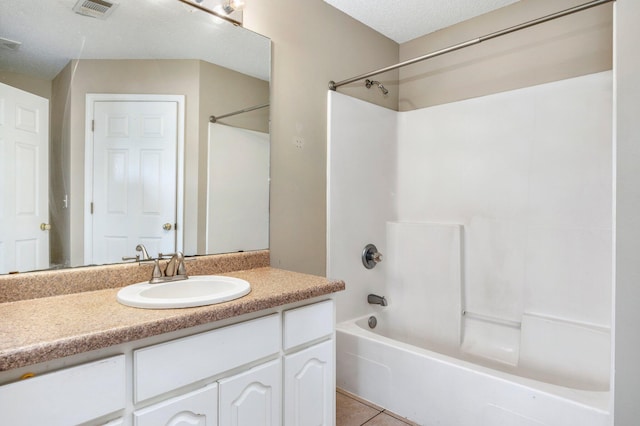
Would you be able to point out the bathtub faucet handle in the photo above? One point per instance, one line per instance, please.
(371, 256)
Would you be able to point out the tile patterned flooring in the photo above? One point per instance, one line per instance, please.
(353, 411)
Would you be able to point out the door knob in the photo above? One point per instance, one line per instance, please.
(167, 227)
(45, 226)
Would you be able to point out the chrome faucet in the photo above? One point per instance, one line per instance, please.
(175, 266)
(175, 269)
(138, 258)
(142, 249)
(374, 299)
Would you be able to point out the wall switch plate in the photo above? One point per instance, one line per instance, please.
(298, 141)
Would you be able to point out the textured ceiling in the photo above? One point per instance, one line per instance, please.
(51, 34)
(405, 20)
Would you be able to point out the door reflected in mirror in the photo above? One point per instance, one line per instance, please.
(103, 180)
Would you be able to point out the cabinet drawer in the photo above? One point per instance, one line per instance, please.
(307, 323)
(199, 407)
(162, 368)
(70, 396)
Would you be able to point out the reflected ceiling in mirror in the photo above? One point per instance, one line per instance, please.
(47, 34)
(205, 60)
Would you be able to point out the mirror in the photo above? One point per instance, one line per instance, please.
(97, 95)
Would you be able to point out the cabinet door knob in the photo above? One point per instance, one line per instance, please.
(167, 227)
(45, 226)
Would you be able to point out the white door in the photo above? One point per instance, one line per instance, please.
(309, 392)
(252, 398)
(24, 177)
(134, 178)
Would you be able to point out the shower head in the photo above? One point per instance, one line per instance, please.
(370, 83)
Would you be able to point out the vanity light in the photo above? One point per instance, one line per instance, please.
(219, 11)
(232, 5)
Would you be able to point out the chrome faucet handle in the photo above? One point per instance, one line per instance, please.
(156, 274)
(136, 258)
(371, 256)
(182, 268)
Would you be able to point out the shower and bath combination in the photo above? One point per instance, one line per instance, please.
(522, 353)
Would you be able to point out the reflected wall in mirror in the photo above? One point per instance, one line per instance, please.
(84, 104)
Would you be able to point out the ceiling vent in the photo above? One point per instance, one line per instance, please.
(100, 9)
(5, 43)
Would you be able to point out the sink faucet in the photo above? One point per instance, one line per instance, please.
(145, 255)
(138, 258)
(374, 299)
(174, 271)
(175, 266)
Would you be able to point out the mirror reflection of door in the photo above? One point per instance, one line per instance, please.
(24, 169)
(134, 178)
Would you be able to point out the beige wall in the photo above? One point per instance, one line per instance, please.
(37, 86)
(173, 77)
(627, 221)
(59, 168)
(312, 44)
(567, 47)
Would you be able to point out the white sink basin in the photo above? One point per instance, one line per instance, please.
(198, 290)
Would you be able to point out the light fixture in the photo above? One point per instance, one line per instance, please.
(221, 10)
(230, 6)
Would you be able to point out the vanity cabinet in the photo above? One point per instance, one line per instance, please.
(270, 371)
(309, 371)
(308, 382)
(69, 396)
(197, 408)
(252, 398)
(167, 366)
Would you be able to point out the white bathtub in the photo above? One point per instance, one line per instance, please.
(432, 388)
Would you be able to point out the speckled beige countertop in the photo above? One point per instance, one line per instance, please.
(46, 328)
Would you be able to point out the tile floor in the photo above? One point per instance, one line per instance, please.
(353, 411)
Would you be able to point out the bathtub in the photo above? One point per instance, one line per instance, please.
(449, 388)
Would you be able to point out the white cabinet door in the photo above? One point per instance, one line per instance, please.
(309, 396)
(197, 408)
(252, 398)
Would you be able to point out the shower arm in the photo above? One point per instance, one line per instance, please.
(333, 85)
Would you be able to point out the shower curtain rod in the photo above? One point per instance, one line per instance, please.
(333, 85)
(213, 118)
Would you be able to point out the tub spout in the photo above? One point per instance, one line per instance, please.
(374, 299)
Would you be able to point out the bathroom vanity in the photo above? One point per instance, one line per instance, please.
(264, 359)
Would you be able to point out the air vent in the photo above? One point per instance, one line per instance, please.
(5, 43)
(100, 9)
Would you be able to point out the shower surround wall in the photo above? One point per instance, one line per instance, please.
(361, 181)
(527, 175)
